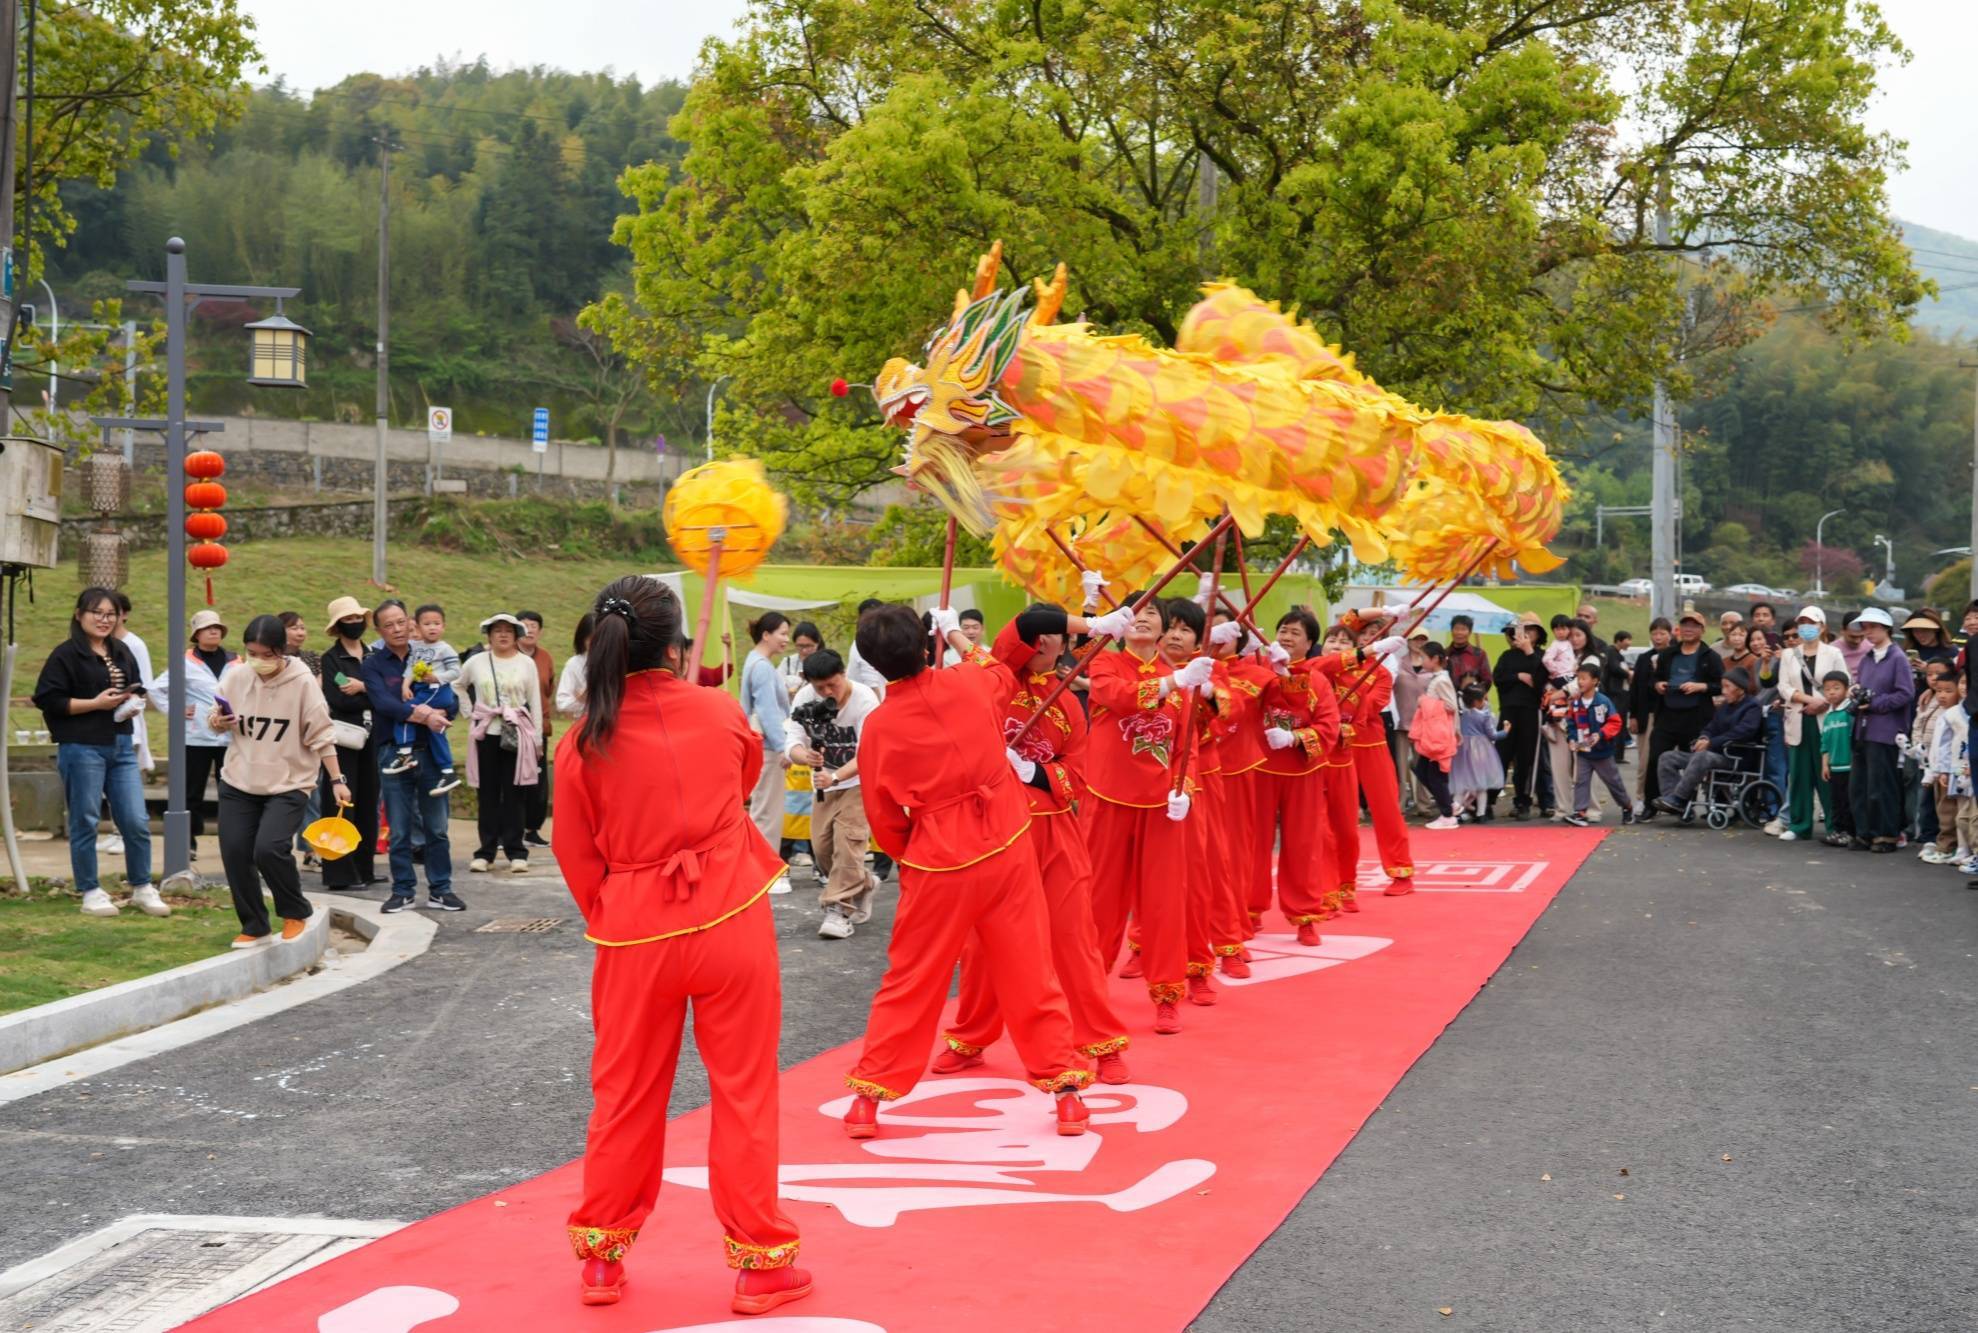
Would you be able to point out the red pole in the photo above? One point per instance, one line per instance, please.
(1242, 567)
(1426, 611)
(707, 606)
(1076, 563)
(1297, 550)
(1100, 641)
(1242, 614)
(947, 585)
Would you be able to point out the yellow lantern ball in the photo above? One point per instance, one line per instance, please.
(731, 496)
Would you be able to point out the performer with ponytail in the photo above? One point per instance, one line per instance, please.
(1050, 763)
(944, 801)
(672, 878)
(1363, 693)
(1301, 727)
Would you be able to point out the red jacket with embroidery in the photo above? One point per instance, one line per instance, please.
(1134, 730)
(1363, 689)
(1057, 743)
(938, 791)
(651, 836)
(1240, 686)
(1303, 704)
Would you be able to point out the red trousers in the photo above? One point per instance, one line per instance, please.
(1294, 808)
(1375, 767)
(1066, 868)
(1139, 869)
(1218, 883)
(639, 996)
(1343, 819)
(999, 902)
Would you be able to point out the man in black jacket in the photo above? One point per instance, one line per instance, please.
(1687, 679)
(1644, 705)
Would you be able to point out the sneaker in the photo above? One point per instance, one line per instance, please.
(146, 900)
(1930, 856)
(1167, 1019)
(97, 903)
(781, 884)
(111, 846)
(1443, 824)
(447, 783)
(1112, 1069)
(1308, 934)
(397, 903)
(1775, 828)
(1235, 965)
(1201, 991)
(862, 905)
(862, 1120)
(519, 866)
(837, 925)
(1836, 840)
(249, 941)
(603, 1282)
(534, 838)
(952, 1061)
(446, 902)
(760, 1290)
(802, 860)
(1787, 835)
(1627, 818)
(1578, 819)
(404, 762)
(1073, 1118)
(1667, 806)
(1132, 971)
(292, 929)
(1399, 888)
(478, 865)
(1592, 816)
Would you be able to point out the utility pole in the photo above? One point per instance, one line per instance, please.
(130, 390)
(381, 474)
(1973, 365)
(9, 59)
(1662, 569)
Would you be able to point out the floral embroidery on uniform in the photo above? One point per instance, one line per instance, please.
(1069, 1081)
(606, 1243)
(962, 1047)
(1106, 1047)
(1148, 733)
(868, 1089)
(1167, 992)
(741, 1254)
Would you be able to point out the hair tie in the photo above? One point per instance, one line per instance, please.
(615, 606)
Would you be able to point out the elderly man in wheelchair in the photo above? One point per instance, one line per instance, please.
(1721, 770)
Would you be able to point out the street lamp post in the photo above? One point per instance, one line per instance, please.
(175, 289)
(710, 413)
(1820, 554)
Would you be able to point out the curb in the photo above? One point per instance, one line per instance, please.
(148, 1016)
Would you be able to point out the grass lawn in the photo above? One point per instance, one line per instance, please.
(49, 950)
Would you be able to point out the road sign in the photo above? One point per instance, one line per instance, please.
(539, 437)
(439, 425)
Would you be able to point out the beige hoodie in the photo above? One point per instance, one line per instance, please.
(282, 729)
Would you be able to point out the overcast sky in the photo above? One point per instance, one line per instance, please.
(314, 47)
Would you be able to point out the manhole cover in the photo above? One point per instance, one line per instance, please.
(150, 1274)
(520, 925)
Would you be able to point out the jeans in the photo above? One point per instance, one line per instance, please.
(1776, 767)
(406, 799)
(90, 773)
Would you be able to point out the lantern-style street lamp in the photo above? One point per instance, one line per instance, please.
(277, 357)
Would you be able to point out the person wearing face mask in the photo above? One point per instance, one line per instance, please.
(281, 733)
(205, 660)
(342, 668)
(1805, 663)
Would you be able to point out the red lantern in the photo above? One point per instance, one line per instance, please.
(205, 495)
(204, 465)
(205, 526)
(206, 555)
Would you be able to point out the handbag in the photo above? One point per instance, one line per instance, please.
(507, 737)
(349, 735)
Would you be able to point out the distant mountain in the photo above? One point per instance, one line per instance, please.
(1953, 261)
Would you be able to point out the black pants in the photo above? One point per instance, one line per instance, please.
(1520, 752)
(360, 769)
(1875, 790)
(501, 802)
(1675, 729)
(1431, 775)
(201, 762)
(1840, 818)
(257, 837)
(535, 800)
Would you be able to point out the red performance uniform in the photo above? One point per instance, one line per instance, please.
(1057, 746)
(1363, 692)
(1208, 867)
(943, 802)
(1240, 685)
(1293, 804)
(652, 838)
(1139, 855)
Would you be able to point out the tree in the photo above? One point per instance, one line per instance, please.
(1460, 190)
(1834, 566)
(91, 354)
(584, 367)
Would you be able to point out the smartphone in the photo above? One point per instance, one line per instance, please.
(341, 680)
(220, 702)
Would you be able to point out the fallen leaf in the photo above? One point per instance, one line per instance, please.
(1546, 1176)
(1624, 1170)
(1620, 1196)
(1445, 1310)
(1727, 1157)
(501, 1203)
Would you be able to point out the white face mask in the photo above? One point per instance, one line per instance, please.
(265, 666)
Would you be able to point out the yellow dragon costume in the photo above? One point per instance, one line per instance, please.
(1016, 424)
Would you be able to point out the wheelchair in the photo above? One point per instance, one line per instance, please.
(1737, 790)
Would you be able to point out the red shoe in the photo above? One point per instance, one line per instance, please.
(1072, 1116)
(1132, 971)
(862, 1121)
(604, 1282)
(1349, 905)
(1167, 1021)
(760, 1290)
(1235, 965)
(1112, 1069)
(1399, 888)
(1308, 934)
(1201, 992)
(952, 1061)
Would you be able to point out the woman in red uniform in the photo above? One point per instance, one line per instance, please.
(1049, 762)
(1301, 726)
(672, 881)
(944, 801)
(1363, 693)
(1134, 825)
(1241, 680)
(1212, 928)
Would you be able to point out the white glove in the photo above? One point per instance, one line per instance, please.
(1113, 624)
(1278, 738)
(1026, 769)
(1280, 658)
(1225, 634)
(1252, 644)
(1203, 583)
(1178, 806)
(1193, 674)
(1388, 647)
(946, 621)
(1207, 689)
(128, 709)
(1094, 583)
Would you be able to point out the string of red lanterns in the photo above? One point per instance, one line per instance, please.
(205, 525)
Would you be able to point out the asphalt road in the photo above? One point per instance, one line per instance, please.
(1689, 996)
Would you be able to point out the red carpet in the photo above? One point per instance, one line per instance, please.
(968, 1212)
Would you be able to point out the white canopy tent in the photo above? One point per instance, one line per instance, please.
(1486, 616)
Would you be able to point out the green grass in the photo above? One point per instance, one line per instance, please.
(49, 950)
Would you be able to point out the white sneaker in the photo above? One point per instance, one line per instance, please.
(1447, 822)
(519, 866)
(1787, 835)
(801, 859)
(781, 884)
(97, 903)
(479, 865)
(1773, 828)
(447, 783)
(836, 925)
(1592, 816)
(111, 846)
(1930, 856)
(146, 900)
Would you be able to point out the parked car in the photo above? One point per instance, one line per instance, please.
(1691, 585)
(1637, 588)
(1751, 590)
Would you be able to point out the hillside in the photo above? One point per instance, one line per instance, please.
(1953, 261)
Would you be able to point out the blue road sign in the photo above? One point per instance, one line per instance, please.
(540, 433)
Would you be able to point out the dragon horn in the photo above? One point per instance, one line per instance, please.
(985, 270)
(1050, 296)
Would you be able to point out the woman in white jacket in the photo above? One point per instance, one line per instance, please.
(1803, 664)
(204, 662)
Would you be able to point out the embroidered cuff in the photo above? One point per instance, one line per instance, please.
(1167, 992)
(741, 1254)
(866, 1088)
(962, 1047)
(1107, 1047)
(606, 1243)
(1069, 1081)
